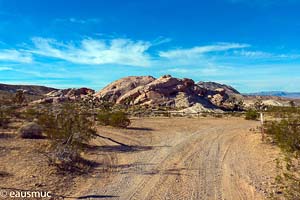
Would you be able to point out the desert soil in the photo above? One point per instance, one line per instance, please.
(180, 158)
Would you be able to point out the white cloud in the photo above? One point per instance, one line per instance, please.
(12, 55)
(252, 54)
(91, 51)
(200, 50)
(262, 54)
(5, 68)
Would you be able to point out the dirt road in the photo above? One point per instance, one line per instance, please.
(181, 158)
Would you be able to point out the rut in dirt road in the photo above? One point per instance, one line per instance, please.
(190, 159)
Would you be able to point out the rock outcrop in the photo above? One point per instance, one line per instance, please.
(64, 95)
(115, 90)
(213, 86)
(164, 91)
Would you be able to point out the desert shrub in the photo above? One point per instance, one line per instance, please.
(67, 158)
(116, 119)
(218, 116)
(119, 119)
(68, 129)
(104, 118)
(67, 125)
(251, 115)
(283, 112)
(30, 114)
(4, 118)
(286, 133)
(30, 131)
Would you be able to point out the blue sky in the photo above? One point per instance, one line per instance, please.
(251, 45)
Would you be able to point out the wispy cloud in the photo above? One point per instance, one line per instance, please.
(252, 54)
(95, 52)
(78, 20)
(200, 50)
(263, 54)
(12, 55)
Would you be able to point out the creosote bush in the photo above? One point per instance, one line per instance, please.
(116, 119)
(68, 129)
(251, 115)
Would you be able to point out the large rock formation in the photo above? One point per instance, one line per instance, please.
(164, 91)
(115, 90)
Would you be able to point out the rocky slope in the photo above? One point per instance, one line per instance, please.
(71, 94)
(213, 86)
(167, 91)
(32, 92)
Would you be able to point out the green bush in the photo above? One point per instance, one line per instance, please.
(67, 125)
(30, 114)
(104, 118)
(116, 119)
(251, 115)
(119, 119)
(68, 130)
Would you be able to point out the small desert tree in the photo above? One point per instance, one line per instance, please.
(259, 105)
(292, 103)
(235, 103)
(20, 97)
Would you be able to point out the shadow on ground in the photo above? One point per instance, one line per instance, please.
(6, 135)
(121, 148)
(140, 128)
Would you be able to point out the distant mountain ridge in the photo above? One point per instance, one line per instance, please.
(30, 89)
(277, 94)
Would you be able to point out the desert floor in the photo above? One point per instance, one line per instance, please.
(181, 158)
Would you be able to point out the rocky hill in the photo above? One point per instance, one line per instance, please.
(32, 92)
(29, 89)
(213, 86)
(64, 95)
(168, 91)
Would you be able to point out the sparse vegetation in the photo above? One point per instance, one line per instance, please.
(68, 130)
(116, 119)
(4, 117)
(286, 134)
(251, 115)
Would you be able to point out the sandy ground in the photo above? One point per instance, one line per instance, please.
(180, 158)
